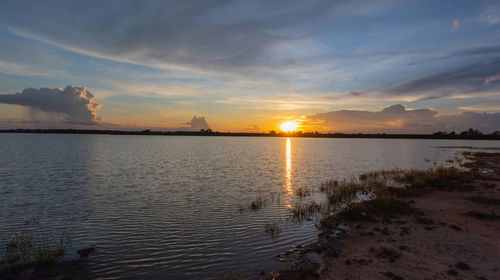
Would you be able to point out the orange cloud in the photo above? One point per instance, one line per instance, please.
(491, 79)
(456, 24)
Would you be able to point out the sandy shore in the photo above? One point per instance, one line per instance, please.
(440, 242)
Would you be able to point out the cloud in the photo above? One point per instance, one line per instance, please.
(77, 104)
(12, 68)
(198, 123)
(398, 119)
(229, 36)
(491, 79)
(491, 14)
(456, 24)
(481, 107)
(446, 83)
(253, 127)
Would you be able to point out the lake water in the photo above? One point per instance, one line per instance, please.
(161, 207)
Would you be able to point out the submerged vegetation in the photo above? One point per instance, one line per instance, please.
(33, 248)
(274, 229)
(261, 201)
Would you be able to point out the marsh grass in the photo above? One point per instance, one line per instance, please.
(34, 248)
(306, 211)
(376, 194)
(261, 201)
(303, 192)
(274, 229)
(477, 159)
(371, 195)
(440, 178)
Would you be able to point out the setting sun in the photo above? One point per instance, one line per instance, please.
(289, 126)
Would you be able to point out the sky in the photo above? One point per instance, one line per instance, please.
(248, 66)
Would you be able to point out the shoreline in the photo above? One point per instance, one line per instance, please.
(389, 246)
(452, 233)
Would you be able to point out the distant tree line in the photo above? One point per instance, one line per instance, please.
(467, 134)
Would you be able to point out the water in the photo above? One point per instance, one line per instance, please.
(160, 207)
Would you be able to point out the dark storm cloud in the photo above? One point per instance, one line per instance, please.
(398, 119)
(214, 35)
(76, 103)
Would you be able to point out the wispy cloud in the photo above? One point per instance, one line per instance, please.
(491, 14)
(491, 79)
(229, 36)
(12, 68)
(481, 108)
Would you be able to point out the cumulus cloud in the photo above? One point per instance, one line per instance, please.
(77, 104)
(398, 119)
(456, 24)
(198, 123)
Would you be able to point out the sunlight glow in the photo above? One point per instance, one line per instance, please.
(289, 126)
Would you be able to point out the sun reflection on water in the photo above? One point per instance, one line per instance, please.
(289, 166)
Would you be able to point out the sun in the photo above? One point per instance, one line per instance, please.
(289, 126)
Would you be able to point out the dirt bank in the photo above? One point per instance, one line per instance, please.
(451, 235)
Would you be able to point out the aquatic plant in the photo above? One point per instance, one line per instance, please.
(303, 191)
(261, 201)
(34, 248)
(304, 211)
(274, 229)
